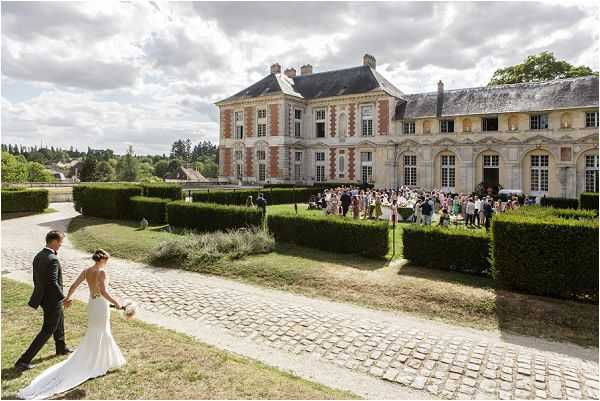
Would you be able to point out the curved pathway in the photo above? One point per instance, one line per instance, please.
(372, 353)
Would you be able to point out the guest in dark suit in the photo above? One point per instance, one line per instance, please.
(47, 293)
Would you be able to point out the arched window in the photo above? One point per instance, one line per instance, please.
(466, 125)
(513, 123)
(427, 127)
(566, 121)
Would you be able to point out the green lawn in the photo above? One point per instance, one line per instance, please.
(433, 294)
(14, 215)
(164, 365)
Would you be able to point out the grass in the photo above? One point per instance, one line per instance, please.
(14, 215)
(451, 297)
(164, 365)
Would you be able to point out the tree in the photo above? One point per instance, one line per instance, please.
(539, 67)
(14, 168)
(161, 168)
(88, 170)
(174, 165)
(105, 172)
(145, 171)
(128, 167)
(36, 172)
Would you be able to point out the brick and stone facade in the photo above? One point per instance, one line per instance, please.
(541, 138)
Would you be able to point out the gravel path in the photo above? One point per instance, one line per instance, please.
(372, 353)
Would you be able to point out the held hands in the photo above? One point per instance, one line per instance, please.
(67, 302)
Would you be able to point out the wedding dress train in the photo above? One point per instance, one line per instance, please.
(97, 354)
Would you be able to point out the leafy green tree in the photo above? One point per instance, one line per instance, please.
(174, 165)
(128, 167)
(88, 170)
(161, 168)
(145, 171)
(36, 172)
(105, 172)
(14, 168)
(539, 67)
(37, 157)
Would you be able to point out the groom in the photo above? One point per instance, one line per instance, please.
(47, 293)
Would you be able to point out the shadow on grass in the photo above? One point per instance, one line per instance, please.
(452, 277)
(354, 261)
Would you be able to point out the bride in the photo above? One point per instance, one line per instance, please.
(98, 353)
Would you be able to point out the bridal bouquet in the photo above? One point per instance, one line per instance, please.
(129, 309)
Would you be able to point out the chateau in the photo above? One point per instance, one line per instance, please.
(353, 125)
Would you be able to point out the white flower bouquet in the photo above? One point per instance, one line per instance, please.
(129, 309)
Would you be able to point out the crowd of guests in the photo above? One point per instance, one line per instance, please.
(474, 211)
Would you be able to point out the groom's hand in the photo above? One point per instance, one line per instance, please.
(67, 303)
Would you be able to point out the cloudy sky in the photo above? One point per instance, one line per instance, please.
(110, 74)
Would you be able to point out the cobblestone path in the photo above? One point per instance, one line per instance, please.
(457, 363)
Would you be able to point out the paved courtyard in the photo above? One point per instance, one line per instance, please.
(428, 358)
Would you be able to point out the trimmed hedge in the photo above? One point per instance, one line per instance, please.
(549, 212)
(588, 200)
(165, 191)
(331, 234)
(447, 249)
(152, 209)
(24, 200)
(562, 203)
(274, 196)
(211, 216)
(544, 254)
(109, 201)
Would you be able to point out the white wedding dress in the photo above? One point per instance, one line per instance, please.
(97, 354)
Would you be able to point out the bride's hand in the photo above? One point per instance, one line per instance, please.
(67, 302)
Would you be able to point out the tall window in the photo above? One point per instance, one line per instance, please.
(539, 173)
(366, 117)
(538, 121)
(320, 123)
(591, 119)
(366, 157)
(260, 155)
(490, 124)
(320, 176)
(409, 128)
(410, 170)
(239, 125)
(320, 156)
(366, 174)
(297, 123)
(238, 155)
(262, 172)
(448, 171)
(591, 173)
(239, 171)
(297, 172)
(341, 166)
(261, 122)
(446, 126)
(298, 156)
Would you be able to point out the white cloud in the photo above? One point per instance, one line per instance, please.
(108, 74)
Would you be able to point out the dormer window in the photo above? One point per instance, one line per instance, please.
(446, 126)
(366, 116)
(591, 119)
(409, 128)
(489, 124)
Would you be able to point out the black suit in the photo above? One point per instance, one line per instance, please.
(47, 293)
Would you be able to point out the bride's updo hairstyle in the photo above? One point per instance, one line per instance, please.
(99, 255)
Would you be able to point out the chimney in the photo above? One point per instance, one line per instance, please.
(440, 99)
(306, 69)
(370, 61)
(290, 72)
(275, 68)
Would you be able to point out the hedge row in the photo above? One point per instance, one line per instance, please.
(588, 200)
(331, 234)
(549, 212)
(274, 196)
(563, 203)
(166, 191)
(546, 255)
(442, 248)
(152, 209)
(24, 200)
(211, 216)
(105, 200)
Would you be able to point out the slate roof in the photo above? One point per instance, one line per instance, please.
(524, 97)
(320, 85)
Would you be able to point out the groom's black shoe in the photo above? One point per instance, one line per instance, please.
(24, 366)
(65, 351)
